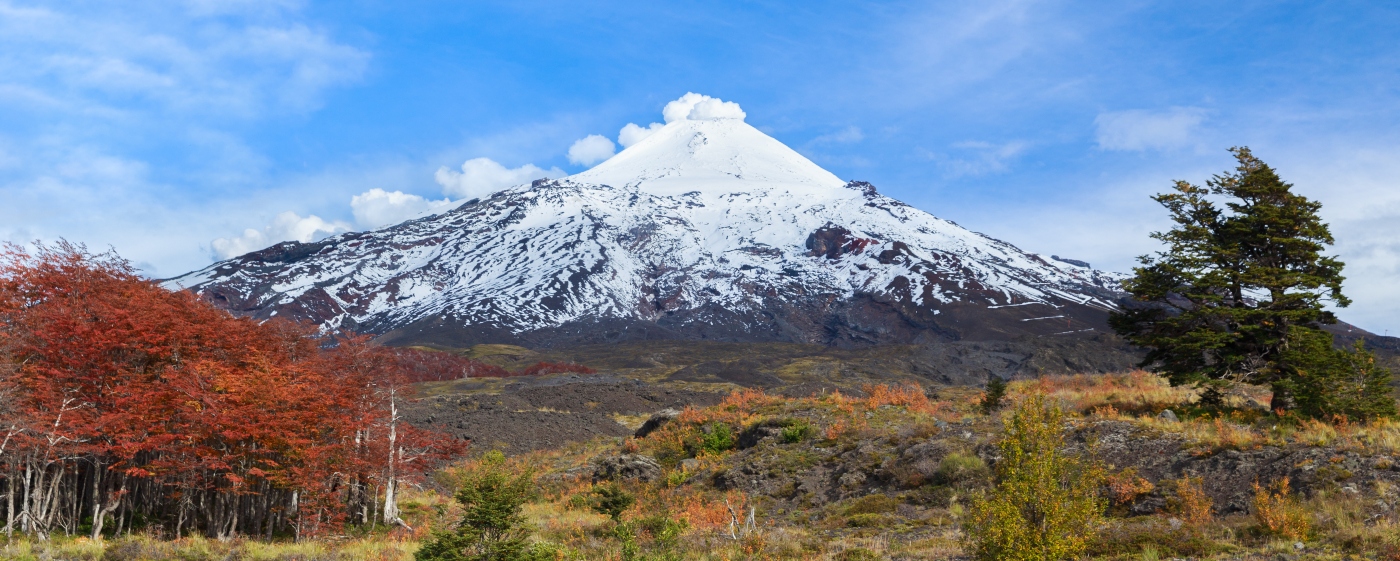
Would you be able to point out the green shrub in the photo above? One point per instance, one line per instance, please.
(578, 502)
(868, 520)
(961, 470)
(1330, 382)
(872, 504)
(492, 527)
(719, 439)
(664, 529)
(941, 496)
(612, 500)
(858, 554)
(1045, 506)
(797, 431)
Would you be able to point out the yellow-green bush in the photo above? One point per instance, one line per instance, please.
(1045, 505)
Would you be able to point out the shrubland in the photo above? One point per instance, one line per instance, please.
(144, 424)
(900, 471)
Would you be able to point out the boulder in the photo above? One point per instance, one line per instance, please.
(758, 433)
(1168, 416)
(626, 466)
(924, 457)
(656, 421)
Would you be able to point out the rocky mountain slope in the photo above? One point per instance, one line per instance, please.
(707, 229)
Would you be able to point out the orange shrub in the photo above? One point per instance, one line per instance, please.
(1230, 435)
(1126, 486)
(1279, 514)
(841, 402)
(910, 396)
(835, 430)
(747, 399)
(1193, 504)
(1135, 392)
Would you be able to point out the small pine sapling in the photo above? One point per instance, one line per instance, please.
(492, 526)
(991, 398)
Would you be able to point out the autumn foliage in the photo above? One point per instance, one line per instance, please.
(432, 366)
(126, 404)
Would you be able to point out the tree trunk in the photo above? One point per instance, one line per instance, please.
(10, 504)
(1282, 400)
(391, 483)
(97, 513)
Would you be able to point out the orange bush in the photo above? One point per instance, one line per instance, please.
(1126, 486)
(841, 402)
(835, 430)
(1278, 513)
(910, 396)
(747, 400)
(1231, 435)
(1193, 504)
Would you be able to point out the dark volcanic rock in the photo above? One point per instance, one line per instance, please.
(525, 418)
(1227, 476)
(655, 422)
(626, 466)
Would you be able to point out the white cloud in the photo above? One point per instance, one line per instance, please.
(591, 149)
(696, 107)
(377, 207)
(979, 158)
(844, 136)
(483, 176)
(632, 134)
(1138, 129)
(242, 59)
(288, 226)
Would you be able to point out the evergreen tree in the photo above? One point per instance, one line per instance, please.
(996, 390)
(1235, 285)
(492, 527)
(1331, 382)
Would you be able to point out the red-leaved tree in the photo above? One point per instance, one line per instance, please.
(122, 401)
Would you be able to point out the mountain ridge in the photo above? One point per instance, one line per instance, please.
(707, 229)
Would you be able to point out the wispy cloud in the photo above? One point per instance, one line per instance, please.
(482, 176)
(377, 207)
(974, 158)
(243, 60)
(1140, 129)
(287, 226)
(847, 135)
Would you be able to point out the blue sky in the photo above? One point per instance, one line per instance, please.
(169, 130)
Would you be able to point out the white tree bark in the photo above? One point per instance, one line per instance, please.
(391, 482)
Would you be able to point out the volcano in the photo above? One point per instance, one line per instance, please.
(706, 229)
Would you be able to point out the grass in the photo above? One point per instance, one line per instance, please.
(902, 509)
(144, 548)
(1244, 423)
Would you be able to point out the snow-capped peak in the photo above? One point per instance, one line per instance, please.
(707, 228)
(710, 156)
